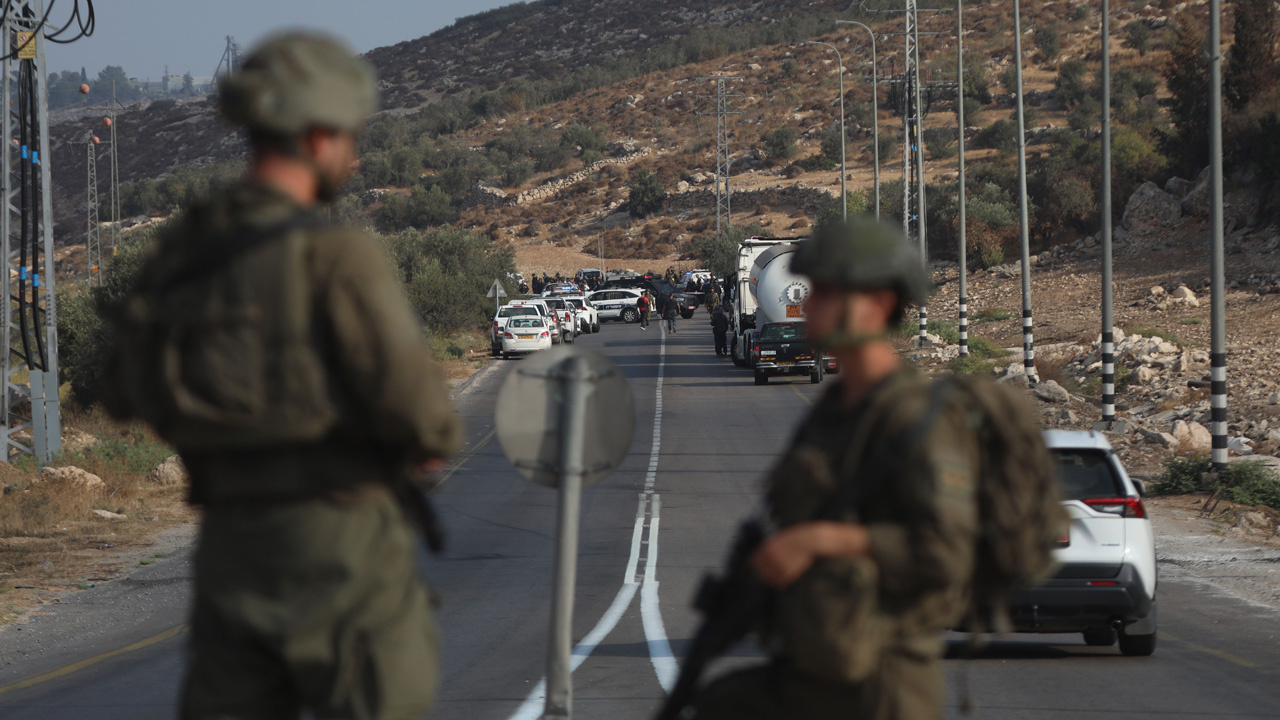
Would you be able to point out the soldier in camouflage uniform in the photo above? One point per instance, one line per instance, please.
(861, 603)
(279, 355)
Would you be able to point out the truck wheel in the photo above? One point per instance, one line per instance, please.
(815, 375)
(737, 359)
(630, 315)
(762, 379)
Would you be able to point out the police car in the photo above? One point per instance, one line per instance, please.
(616, 304)
(506, 313)
(1105, 585)
(540, 305)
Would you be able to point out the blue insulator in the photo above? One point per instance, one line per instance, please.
(24, 152)
(36, 280)
(35, 157)
(22, 273)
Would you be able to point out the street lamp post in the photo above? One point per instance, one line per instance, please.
(875, 110)
(844, 171)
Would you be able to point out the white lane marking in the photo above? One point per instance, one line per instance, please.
(532, 707)
(664, 663)
(655, 632)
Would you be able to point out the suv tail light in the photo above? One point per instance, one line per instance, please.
(1129, 507)
(508, 336)
(543, 335)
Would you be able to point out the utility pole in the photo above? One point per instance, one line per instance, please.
(229, 63)
(93, 233)
(724, 214)
(1028, 339)
(875, 110)
(913, 184)
(1108, 347)
(30, 393)
(1217, 287)
(963, 301)
(110, 122)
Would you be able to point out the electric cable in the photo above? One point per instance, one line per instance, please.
(83, 20)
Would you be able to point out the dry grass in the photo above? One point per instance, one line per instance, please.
(1053, 366)
(50, 540)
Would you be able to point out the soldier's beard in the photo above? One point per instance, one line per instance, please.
(328, 186)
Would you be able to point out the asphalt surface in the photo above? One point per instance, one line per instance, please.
(649, 532)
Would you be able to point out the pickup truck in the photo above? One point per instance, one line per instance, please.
(780, 349)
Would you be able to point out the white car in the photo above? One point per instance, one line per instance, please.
(541, 306)
(526, 334)
(505, 314)
(588, 317)
(1105, 585)
(616, 304)
(567, 314)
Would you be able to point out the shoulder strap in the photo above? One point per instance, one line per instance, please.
(217, 255)
(872, 470)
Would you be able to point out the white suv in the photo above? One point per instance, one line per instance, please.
(1105, 585)
(588, 318)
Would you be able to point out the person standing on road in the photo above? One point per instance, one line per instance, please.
(712, 301)
(720, 328)
(643, 306)
(861, 601)
(278, 354)
(671, 310)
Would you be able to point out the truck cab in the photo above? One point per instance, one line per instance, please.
(780, 348)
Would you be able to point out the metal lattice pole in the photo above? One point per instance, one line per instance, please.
(875, 112)
(93, 232)
(30, 397)
(1028, 338)
(724, 211)
(963, 300)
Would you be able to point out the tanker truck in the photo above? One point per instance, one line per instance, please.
(769, 298)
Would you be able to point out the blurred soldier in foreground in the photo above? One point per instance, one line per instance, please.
(881, 513)
(278, 354)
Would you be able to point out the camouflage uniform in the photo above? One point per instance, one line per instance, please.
(279, 355)
(861, 638)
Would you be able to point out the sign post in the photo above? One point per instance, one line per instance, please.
(497, 292)
(565, 420)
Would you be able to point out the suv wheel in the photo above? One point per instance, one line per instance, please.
(630, 315)
(595, 327)
(1100, 637)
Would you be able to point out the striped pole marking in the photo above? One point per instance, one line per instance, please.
(964, 325)
(1218, 408)
(1108, 376)
(1028, 345)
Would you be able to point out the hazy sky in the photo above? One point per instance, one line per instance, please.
(189, 35)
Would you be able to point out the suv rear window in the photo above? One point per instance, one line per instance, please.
(791, 331)
(1085, 474)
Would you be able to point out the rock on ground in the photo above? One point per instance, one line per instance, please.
(70, 475)
(1151, 207)
(1193, 436)
(168, 473)
(1051, 391)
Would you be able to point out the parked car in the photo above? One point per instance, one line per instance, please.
(1105, 586)
(588, 318)
(567, 314)
(616, 304)
(543, 309)
(661, 290)
(525, 334)
(505, 314)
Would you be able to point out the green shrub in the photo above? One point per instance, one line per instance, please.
(647, 194)
(1181, 475)
(781, 144)
(1251, 482)
(818, 162)
(1138, 36)
(1080, 12)
(517, 173)
(995, 314)
(1049, 39)
(985, 349)
(940, 142)
(999, 135)
(945, 329)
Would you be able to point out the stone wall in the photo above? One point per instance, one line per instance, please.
(807, 199)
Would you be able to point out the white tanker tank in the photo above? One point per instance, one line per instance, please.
(766, 290)
(779, 293)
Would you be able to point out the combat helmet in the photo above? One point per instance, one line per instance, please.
(297, 81)
(863, 254)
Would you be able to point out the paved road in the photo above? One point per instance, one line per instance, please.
(649, 531)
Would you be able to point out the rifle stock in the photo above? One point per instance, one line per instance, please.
(732, 606)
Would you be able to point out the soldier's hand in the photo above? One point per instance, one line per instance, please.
(789, 553)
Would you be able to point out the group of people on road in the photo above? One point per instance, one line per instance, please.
(277, 352)
(668, 309)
